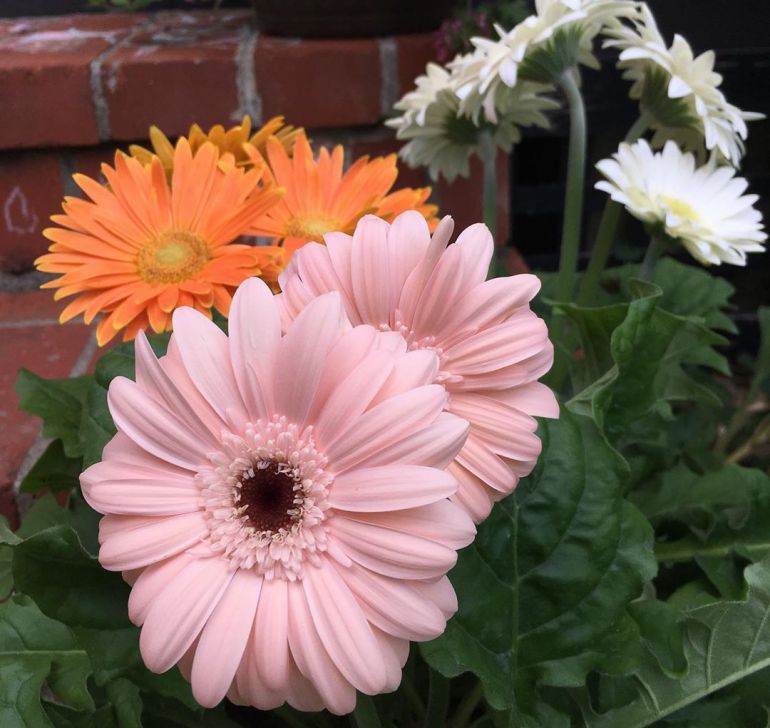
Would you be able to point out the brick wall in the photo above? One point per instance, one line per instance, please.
(73, 88)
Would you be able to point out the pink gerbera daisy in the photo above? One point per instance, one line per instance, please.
(279, 504)
(492, 347)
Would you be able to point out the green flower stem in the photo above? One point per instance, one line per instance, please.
(488, 154)
(438, 700)
(365, 714)
(573, 197)
(605, 237)
(466, 707)
(657, 245)
(573, 211)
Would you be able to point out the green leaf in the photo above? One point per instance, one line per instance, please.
(6, 535)
(687, 290)
(35, 650)
(6, 573)
(44, 514)
(126, 703)
(728, 494)
(645, 358)
(557, 565)
(725, 642)
(113, 653)
(96, 427)
(54, 471)
(58, 402)
(67, 582)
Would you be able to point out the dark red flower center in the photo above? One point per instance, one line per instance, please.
(267, 497)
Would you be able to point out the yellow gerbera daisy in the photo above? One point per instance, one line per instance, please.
(228, 141)
(145, 244)
(321, 198)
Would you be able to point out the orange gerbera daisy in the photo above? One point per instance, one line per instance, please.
(321, 198)
(144, 245)
(228, 141)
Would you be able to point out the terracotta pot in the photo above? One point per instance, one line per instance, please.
(348, 18)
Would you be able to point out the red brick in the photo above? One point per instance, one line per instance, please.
(50, 351)
(180, 71)
(89, 161)
(45, 80)
(35, 305)
(414, 53)
(30, 192)
(319, 83)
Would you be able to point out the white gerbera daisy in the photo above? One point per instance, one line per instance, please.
(678, 90)
(703, 208)
(440, 138)
(558, 36)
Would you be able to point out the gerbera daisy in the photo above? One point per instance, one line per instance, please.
(679, 91)
(321, 198)
(557, 36)
(280, 504)
(702, 208)
(492, 348)
(227, 141)
(442, 139)
(143, 245)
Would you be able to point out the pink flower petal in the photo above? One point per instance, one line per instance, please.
(477, 247)
(206, 356)
(312, 659)
(395, 652)
(223, 639)
(473, 495)
(408, 240)
(441, 593)
(343, 629)
(155, 381)
(344, 356)
(533, 398)
(442, 522)
(251, 687)
(140, 495)
(302, 355)
(415, 282)
(394, 605)
(270, 643)
(179, 613)
(413, 369)
(435, 445)
(500, 346)
(397, 417)
(151, 582)
(483, 463)
(370, 270)
(390, 552)
(488, 304)
(152, 426)
(128, 542)
(390, 487)
(303, 694)
(255, 332)
(352, 396)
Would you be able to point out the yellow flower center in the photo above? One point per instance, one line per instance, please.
(679, 208)
(311, 227)
(172, 257)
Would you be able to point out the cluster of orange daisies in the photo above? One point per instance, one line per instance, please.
(186, 224)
